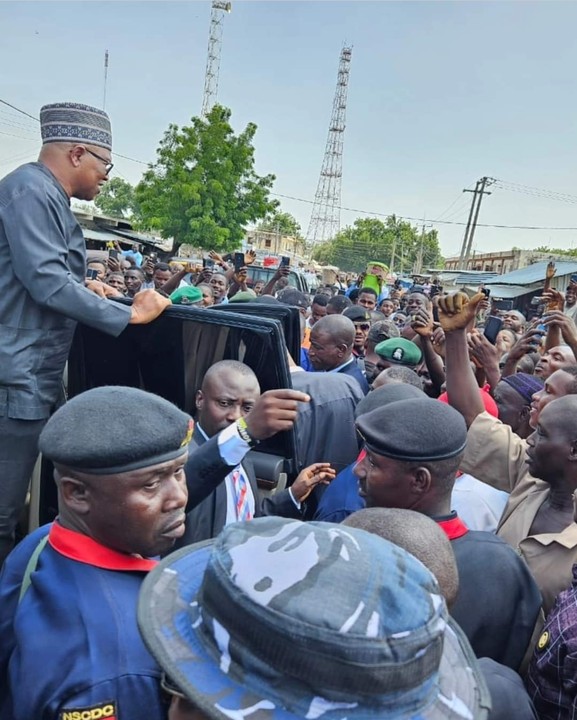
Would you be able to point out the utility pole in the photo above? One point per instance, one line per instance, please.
(395, 236)
(418, 267)
(478, 193)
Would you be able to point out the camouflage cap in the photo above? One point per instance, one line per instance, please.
(257, 624)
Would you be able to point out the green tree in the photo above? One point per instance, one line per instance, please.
(203, 189)
(556, 252)
(394, 242)
(281, 222)
(117, 199)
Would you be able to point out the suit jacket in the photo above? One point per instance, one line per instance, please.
(42, 292)
(206, 508)
(353, 370)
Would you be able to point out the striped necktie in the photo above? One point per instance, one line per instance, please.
(241, 494)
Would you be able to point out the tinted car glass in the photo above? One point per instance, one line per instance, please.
(295, 279)
(287, 315)
(169, 357)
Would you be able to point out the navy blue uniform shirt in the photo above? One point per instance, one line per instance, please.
(72, 645)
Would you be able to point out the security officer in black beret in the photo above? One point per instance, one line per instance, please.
(414, 449)
(69, 644)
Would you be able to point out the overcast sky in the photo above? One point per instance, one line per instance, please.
(440, 94)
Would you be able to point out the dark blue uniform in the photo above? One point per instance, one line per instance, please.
(71, 649)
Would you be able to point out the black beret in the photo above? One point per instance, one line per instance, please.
(387, 394)
(292, 296)
(415, 430)
(110, 430)
(356, 313)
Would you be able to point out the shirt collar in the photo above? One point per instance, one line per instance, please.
(452, 526)
(79, 547)
(201, 431)
(340, 367)
(567, 537)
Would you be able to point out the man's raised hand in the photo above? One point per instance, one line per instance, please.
(456, 311)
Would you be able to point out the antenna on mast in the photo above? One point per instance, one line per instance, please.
(326, 214)
(219, 8)
(105, 79)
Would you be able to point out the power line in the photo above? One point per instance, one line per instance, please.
(503, 184)
(428, 220)
(464, 201)
(535, 191)
(22, 137)
(23, 112)
(125, 157)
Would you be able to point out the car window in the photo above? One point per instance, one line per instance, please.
(260, 273)
(169, 357)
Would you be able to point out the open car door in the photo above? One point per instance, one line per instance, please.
(288, 317)
(169, 357)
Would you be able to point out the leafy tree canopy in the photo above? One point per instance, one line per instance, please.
(203, 189)
(117, 199)
(557, 252)
(282, 223)
(372, 239)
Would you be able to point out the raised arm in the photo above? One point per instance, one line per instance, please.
(456, 314)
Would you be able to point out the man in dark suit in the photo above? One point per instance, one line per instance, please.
(233, 417)
(331, 349)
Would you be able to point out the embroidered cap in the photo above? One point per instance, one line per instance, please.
(256, 624)
(77, 123)
(526, 385)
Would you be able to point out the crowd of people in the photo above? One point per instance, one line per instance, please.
(419, 565)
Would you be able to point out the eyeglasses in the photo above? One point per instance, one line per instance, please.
(107, 164)
(362, 326)
(170, 688)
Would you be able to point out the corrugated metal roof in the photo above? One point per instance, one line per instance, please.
(533, 274)
(506, 292)
(473, 278)
(102, 235)
(132, 235)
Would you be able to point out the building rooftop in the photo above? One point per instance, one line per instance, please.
(533, 274)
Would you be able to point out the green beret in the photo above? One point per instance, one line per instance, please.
(110, 430)
(414, 430)
(399, 351)
(186, 296)
(243, 296)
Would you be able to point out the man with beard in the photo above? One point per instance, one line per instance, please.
(68, 591)
(43, 291)
(551, 676)
(413, 450)
(537, 520)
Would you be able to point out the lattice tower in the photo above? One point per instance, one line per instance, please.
(219, 9)
(326, 215)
